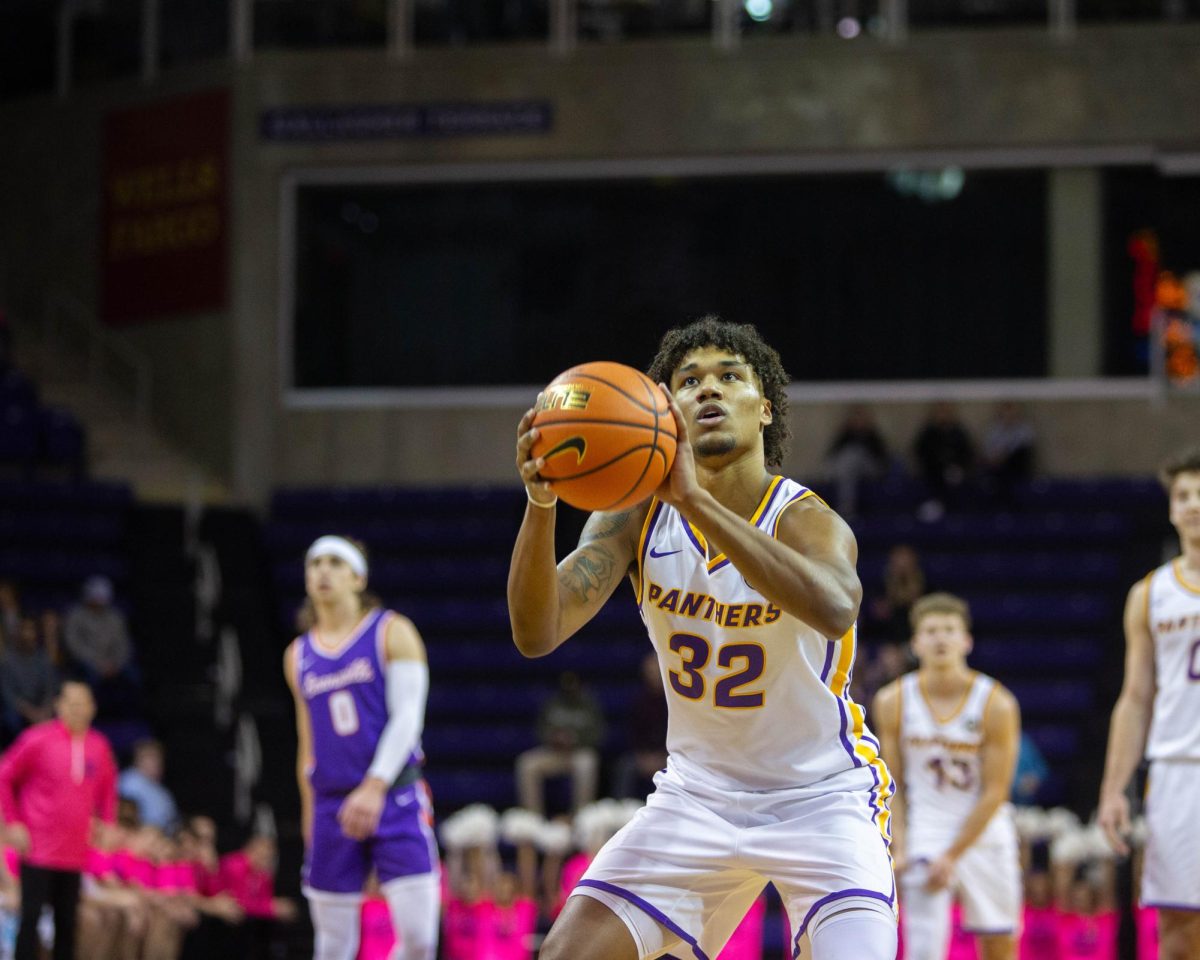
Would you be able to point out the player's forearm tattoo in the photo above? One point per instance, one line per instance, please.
(609, 526)
(590, 572)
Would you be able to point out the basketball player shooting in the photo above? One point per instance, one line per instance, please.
(950, 736)
(359, 679)
(1158, 714)
(748, 587)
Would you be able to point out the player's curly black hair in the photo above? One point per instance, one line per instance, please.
(744, 340)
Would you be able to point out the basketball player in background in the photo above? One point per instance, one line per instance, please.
(360, 680)
(1158, 715)
(950, 736)
(747, 584)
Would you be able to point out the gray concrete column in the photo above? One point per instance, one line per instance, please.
(1074, 226)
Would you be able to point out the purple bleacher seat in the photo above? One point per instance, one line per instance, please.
(62, 438)
(66, 495)
(1054, 697)
(988, 529)
(1055, 740)
(959, 569)
(17, 391)
(1037, 656)
(479, 741)
(18, 435)
(66, 566)
(1014, 610)
(464, 701)
(454, 788)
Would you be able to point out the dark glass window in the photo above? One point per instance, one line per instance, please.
(852, 277)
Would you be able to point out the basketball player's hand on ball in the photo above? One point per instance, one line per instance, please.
(1113, 817)
(681, 482)
(528, 465)
(360, 812)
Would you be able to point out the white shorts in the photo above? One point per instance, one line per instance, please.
(1171, 870)
(684, 871)
(987, 883)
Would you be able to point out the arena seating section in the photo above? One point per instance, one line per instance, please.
(1046, 583)
(34, 435)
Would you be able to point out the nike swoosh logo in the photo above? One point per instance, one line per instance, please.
(666, 553)
(576, 443)
(404, 800)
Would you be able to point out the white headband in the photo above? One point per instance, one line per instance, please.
(330, 546)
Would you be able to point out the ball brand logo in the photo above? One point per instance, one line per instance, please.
(565, 396)
(576, 443)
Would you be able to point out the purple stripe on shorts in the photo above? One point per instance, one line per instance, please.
(828, 660)
(873, 796)
(650, 910)
(1186, 908)
(842, 733)
(829, 898)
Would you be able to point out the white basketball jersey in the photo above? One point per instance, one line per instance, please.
(757, 699)
(943, 768)
(1173, 613)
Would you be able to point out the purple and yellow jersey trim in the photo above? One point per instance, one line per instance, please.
(764, 505)
(862, 748)
(652, 517)
(802, 495)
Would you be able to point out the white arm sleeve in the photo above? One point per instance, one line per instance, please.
(407, 688)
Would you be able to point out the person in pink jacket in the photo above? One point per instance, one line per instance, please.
(54, 779)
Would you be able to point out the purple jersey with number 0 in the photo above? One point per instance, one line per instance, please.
(346, 692)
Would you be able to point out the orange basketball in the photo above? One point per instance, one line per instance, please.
(607, 435)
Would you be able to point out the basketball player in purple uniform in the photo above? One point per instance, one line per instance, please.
(360, 679)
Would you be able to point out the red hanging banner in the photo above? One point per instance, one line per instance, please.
(165, 212)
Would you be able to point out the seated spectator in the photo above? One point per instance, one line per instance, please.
(113, 918)
(199, 837)
(1030, 773)
(647, 753)
(97, 642)
(50, 626)
(903, 583)
(1008, 451)
(857, 453)
(10, 610)
(218, 934)
(142, 783)
(945, 458)
(248, 876)
(571, 728)
(27, 680)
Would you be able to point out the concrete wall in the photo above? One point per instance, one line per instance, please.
(50, 196)
(805, 103)
(1076, 437)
